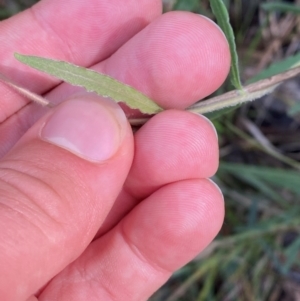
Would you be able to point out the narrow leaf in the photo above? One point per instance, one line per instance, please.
(282, 7)
(218, 113)
(277, 67)
(92, 81)
(187, 5)
(219, 9)
(294, 110)
(280, 178)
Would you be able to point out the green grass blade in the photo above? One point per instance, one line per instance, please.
(187, 5)
(294, 110)
(92, 81)
(291, 255)
(219, 10)
(220, 113)
(282, 7)
(277, 177)
(278, 67)
(261, 186)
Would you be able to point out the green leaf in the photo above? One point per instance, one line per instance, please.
(219, 9)
(294, 110)
(92, 81)
(187, 5)
(277, 177)
(278, 67)
(219, 113)
(282, 7)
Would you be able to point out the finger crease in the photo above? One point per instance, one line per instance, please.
(140, 255)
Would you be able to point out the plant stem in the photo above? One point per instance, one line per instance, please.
(28, 94)
(249, 93)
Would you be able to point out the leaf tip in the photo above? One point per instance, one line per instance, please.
(18, 56)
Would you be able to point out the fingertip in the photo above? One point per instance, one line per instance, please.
(200, 48)
(157, 237)
(180, 58)
(175, 139)
(187, 216)
(216, 204)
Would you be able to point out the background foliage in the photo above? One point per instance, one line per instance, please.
(256, 256)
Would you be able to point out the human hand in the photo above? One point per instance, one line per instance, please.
(87, 211)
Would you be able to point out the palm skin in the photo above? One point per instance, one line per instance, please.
(79, 230)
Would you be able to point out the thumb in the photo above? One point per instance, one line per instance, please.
(56, 187)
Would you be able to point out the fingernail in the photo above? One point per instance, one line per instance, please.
(87, 126)
(211, 124)
(217, 186)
